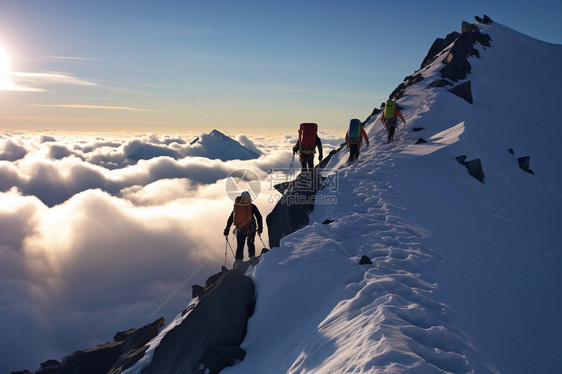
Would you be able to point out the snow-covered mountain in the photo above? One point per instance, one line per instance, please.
(465, 274)
(216, 145)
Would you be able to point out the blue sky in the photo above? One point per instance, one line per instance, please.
(252, 65)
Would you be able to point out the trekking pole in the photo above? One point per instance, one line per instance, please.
(259, 235)
(231, 251)
(291, 165)
(225, 249)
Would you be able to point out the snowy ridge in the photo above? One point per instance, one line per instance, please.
(465, 276)
(359, 318)
(444, 291)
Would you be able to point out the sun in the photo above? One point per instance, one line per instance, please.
(4, 68)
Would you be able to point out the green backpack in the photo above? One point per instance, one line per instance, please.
(389, 109)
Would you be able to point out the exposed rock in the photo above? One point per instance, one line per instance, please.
(327, 221)
(437, 47)
(440, 83)
(292, 210)
(374, 113)
(510, 150)
(486, 20)
(474, 167)
(221, 356)
(418, 129)
(365, 260)
(457, 65)
(463, 90)
(49, 367)
(135, 345)
(420, 141)
(21, 372)
(215, 279)
(197, 291)
(111, 358)
(92, 361)
(122, 335)
(220, 318)
(408, 81)
(524, 163)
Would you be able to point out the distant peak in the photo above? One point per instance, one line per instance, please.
(217, 133)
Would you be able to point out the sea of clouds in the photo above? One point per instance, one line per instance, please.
(100, 233)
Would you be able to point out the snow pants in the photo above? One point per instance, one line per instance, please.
(307, 162)
(353, 152)
(390, 125)
(248, 235)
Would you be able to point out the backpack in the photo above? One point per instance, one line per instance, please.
(242, 211)
(307, 137)
(354, 133)
(389, 109)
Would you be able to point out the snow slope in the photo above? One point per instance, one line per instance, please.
(216, 145)
(466, 276)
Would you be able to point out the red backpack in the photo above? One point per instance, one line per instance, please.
(242, 211)
(307, 135)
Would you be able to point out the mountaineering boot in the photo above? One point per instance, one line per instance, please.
(237, 263)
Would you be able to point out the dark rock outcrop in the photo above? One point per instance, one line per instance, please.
(463, 90)
(327, 221)
(486, 20)
(374, 113)
(134, 346)
(437, 47)
(49, 367)
(109, 358)
(420, 141)
(365, 260)
(219, 319)
(222, 356)
(457, 66)
(408, 81)
(474, 167)
(524, 163)
(292, 210)
(92, 361)
(415, 129)
(440, 83)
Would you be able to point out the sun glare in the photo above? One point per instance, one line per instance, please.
(4, 68)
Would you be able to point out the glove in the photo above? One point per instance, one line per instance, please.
(225, 233)
(260, 230)
(295, 149)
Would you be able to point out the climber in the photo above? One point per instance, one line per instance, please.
(388, 118)
(308, 140)
(245, 217)
(354, 137)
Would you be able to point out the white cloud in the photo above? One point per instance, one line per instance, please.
(85, 106)
(86, 250)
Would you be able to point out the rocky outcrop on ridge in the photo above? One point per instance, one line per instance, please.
(297, 202)
(109, 358)
(209, 338)
(457, 66)
(456, 62)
